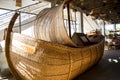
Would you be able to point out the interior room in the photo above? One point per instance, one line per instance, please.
(59, 39)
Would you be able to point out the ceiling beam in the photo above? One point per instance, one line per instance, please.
(19, 3)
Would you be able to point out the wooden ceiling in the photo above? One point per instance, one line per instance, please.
(107, 10)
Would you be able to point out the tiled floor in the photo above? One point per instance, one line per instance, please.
(107, 69)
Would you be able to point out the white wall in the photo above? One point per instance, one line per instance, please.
(27, 2)
(8, 4)
(11, 4)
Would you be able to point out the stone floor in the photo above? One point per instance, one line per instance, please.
(107, 69)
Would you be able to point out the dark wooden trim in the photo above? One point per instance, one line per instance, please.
(68, 10)
(7, 46)
(82, 24)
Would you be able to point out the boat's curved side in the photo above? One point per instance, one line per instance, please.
(50, 61)
(7, 45)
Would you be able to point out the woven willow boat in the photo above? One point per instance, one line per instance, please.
(51, 55)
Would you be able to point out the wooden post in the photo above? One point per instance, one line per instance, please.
(104, 28)
(19, 22)
(68, 11)
(75, 22)
(82, 29)
(115, 26)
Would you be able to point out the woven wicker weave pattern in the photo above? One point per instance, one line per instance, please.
(38, 59)
(49, 26)
(53, 61)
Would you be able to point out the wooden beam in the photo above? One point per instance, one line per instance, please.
(82, 23)
(75, 22)
(19, 3)
(69, 24)
(115, 26)
(53, 3)
(104, 28)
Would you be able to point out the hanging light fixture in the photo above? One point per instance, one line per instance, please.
(105, 1)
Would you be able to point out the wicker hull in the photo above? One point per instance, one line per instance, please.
(50, 61)
(45, 57)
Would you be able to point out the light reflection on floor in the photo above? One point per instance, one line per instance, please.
(113, 60)
(107, 69)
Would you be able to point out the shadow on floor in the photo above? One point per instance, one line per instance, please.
(107, 69)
